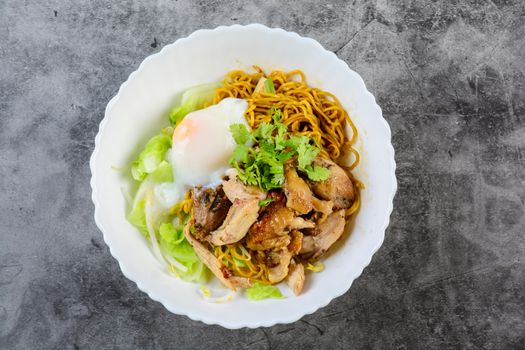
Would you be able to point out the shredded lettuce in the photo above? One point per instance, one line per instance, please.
(193, 99)
(261, 291)
(151, 156)
(316, 267)
(137, 214)
(174, 244)
(137, 217)
(163, 173)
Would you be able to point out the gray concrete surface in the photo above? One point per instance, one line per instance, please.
(450, 77)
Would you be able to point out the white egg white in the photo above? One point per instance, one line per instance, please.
(201, 148)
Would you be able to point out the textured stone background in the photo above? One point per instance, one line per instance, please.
(450, 77)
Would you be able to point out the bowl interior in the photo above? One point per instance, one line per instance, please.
(141, 108)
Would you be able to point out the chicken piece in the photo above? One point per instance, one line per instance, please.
(235, 189)
(210, 207)
(296, 241)
(338, 188)
(270, 243)
(270, 231)
(324, 207)
(241, 282)
(295, 278)
(208, 259)
(307, 245)
(324, 235)
(279, 272)
(298, 194)
(242, 214)
(298, 223)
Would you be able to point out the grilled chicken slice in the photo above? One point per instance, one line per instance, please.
(298, 194)
(242, 214)
(270, 231)
(208, 259)
(296, 241)
(235, 189)
(307, 245)
(298, 223)
(241, 282)
(338, 188)
(210, 207)
(324, 235)
(324, 207)
(279, 272)
(295, 278)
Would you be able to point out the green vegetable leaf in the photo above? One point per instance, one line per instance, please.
(263, 164)
(264, 131)
(163, 173)
(173, 244)
(276, 114)
(151, 157)
(317, 173)
(268, 86)
(240, 133)
(198, 97)
(178, 113)
(306, 153)
(137, 217)
(240, 153)
(261, 291)
(265, 202)
(280, 142)
(171, 234)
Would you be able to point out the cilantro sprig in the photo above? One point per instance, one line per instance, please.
(260, 155)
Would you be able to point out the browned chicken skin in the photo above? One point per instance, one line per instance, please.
(298, 194)
(324, 207)
(242, 214)
(338, 188)
(301, 223)
(210, 207)
(270, 231)
(324, 235)
(296, 241)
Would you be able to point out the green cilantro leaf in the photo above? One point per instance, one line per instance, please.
(241, 153)
(265, 202)
(276, 114)
(240, 133)
(306, 153)
(262, 164)
(317, 173)
(264, 131)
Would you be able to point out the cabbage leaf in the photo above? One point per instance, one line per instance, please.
(151, 156)
(261, 291)
(198, 97)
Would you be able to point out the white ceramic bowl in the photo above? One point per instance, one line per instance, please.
(140, 108)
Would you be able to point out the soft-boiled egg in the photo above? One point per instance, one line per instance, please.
(202, 143)
(201, 149)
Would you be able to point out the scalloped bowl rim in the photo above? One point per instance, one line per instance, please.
(308, 309)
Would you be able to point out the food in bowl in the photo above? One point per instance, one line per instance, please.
(251, 181)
